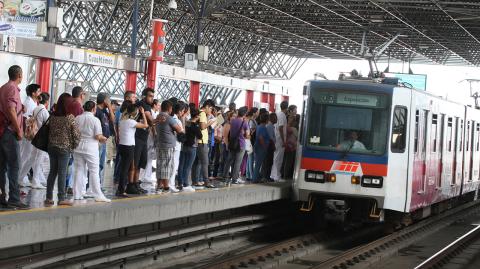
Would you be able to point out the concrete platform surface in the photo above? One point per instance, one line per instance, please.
(38, 225)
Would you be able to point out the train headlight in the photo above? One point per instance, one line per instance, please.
(356, 180)
(315, 176)
(331, 178)
(372, 181)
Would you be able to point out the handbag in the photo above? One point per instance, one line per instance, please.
(40, 141)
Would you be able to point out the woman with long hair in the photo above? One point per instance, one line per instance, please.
(126, 144)
(64, 137)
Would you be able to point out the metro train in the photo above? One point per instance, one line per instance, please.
(373, 151)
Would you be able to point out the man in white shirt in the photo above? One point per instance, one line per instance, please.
(280, 138)
(352, 143)
(30, 103)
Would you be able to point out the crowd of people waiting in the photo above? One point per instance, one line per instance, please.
(193, 146)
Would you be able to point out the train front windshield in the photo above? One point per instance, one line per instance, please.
(349, 122)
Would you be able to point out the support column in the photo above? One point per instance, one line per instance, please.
(157, 47)
(249, 98)
(151, 73)
(271, 102)
(194, 93)
(131, 82)
(264, 97)
(44, 74)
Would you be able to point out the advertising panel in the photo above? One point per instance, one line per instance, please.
(417, 81)
(19, 17)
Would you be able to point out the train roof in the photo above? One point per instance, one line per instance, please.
(370, 85)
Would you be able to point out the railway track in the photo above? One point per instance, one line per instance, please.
(472, 238)
(362, 256)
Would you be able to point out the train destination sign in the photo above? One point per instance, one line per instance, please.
(344, 98)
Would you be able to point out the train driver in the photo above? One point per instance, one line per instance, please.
(351, 143)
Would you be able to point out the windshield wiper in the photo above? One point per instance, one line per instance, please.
(345, 152)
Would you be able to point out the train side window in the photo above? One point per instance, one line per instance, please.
(416, 130)
(449, 133)
(434, 132)
(478, 140)
(425, 129)
(399, 129)
(461, 136)
(467, 137)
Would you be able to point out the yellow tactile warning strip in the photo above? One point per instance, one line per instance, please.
(93, 203)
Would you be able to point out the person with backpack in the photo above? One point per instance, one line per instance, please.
(11, 135)
(26, 148)
(239, 131)
(41, 116)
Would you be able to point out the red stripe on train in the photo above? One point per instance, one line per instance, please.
(326, 165)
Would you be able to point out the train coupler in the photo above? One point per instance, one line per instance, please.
(308, 206)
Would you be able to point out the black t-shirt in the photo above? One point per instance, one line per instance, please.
(142, 134)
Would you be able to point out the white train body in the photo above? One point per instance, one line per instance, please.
(418, 149)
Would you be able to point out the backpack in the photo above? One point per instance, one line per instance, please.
(31, 127)
(233, 141)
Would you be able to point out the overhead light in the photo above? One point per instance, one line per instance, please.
(172, 5)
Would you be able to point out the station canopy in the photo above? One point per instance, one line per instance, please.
(436, 31)
(273, 38)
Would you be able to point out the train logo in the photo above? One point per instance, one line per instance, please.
(351, 168)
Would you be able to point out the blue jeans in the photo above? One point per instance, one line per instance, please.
(260, 155)
(70, 172)
(103, 155)
(58, 166)
(187, 157)
(250, 161)
(10, 165)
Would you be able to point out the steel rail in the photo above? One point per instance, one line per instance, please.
(373, 251)
(449, 250)
(98, 252)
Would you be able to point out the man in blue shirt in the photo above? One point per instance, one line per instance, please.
(105, 115)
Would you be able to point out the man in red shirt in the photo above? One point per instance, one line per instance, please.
(11, 124)
(75, 108)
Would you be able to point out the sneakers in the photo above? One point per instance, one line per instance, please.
(102, 200)
(48, 202)
(19, 206)
(210, 186)
(25, 184)
(188, 189)
(174, 190)
(39, 187)
(238, 181)
(165, 191)
(65, 202)
(140, 189)
(131, 189)
(121, 195)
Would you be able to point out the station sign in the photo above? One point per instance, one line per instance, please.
(100, 58)
(19, 18)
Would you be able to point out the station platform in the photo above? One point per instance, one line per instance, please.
(40, 224)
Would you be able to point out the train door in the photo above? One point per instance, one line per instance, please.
(399, 167)
(431, 154)
(459, 153)
(467, 151)
(441, 151)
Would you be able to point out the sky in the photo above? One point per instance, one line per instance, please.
(442, 80)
